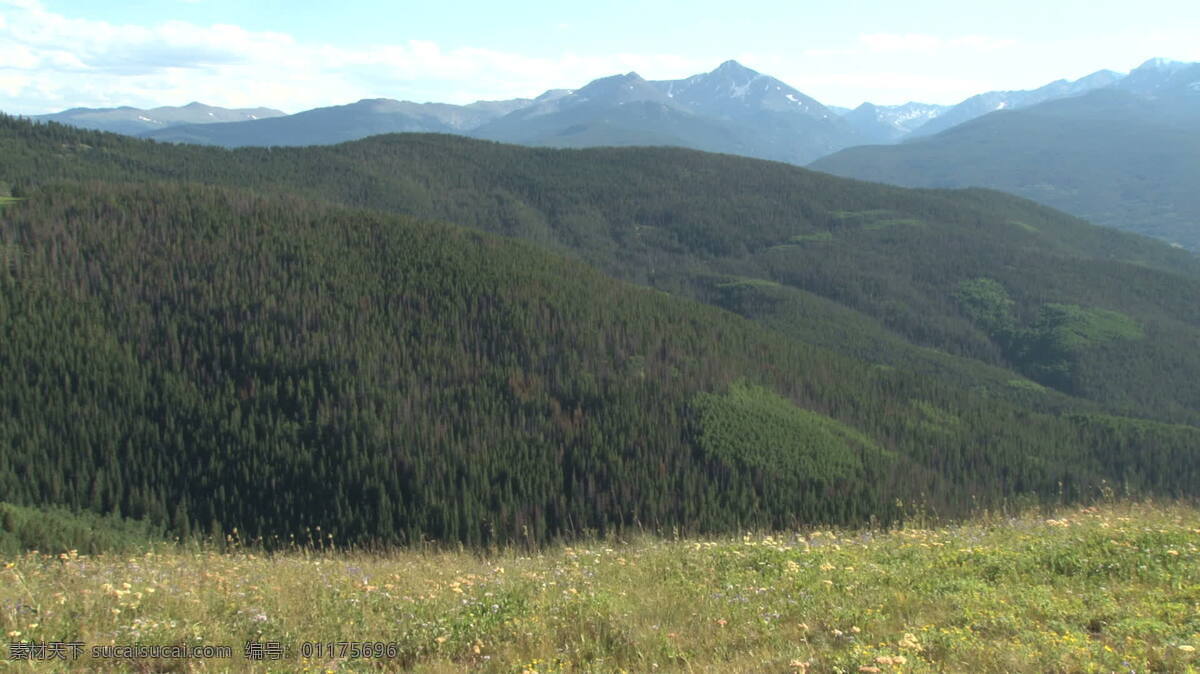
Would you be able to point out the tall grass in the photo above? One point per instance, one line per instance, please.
(1108, 588)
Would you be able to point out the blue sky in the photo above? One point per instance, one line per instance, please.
(295, 55)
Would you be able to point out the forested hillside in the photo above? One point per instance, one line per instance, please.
(872, 271)
(215, 339)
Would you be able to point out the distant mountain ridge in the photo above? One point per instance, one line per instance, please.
(733, 90)
(337, 124)
(891, 123)
(136, 121)
(1125, 155)
(982, 104)
(732, 109)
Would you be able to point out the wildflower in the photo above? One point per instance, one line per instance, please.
(1187, 649)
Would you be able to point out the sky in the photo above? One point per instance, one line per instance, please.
(299, 54)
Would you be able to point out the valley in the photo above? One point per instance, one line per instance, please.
(654, 374)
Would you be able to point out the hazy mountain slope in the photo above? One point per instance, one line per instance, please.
(336, 124)
(135, 121)
(734, 91)
(982, 104)
(1117, 158)
(1159, 75)
(891, 123)
(617, 110)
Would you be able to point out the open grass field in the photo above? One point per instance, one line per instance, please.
(1109, 588)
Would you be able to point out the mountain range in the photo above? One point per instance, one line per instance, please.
(982, 104)
(1140, 181)
(1126, 155)
(731, 109)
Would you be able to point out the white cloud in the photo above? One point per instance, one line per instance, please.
(96, 63)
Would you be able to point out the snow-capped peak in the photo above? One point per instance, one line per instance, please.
(736, 70)
(1161, 64)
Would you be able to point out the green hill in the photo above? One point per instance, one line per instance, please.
(888, 262)
(264, 352)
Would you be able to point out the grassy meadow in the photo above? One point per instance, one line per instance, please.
(1107, 588)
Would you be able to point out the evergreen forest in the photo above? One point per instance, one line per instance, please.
(422, 337)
